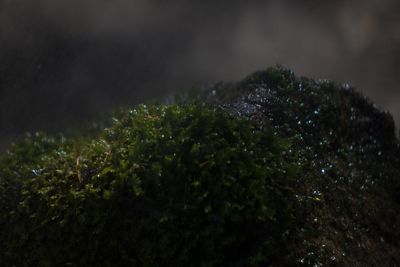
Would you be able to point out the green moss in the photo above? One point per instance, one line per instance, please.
(274, 170)
(167, 185)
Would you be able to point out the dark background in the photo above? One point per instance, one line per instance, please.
(63, 62)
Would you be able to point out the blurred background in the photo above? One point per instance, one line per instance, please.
(63, 62)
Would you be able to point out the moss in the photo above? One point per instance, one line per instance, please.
(274, 170)
(174, 185)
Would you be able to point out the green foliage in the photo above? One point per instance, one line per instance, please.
(274, 170)
(164, 185)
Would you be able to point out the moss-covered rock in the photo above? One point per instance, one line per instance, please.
(175, 186)
(272, 171)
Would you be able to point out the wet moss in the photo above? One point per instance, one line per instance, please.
(275, 170)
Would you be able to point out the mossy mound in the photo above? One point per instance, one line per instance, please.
(350, 159)
(272, 171)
